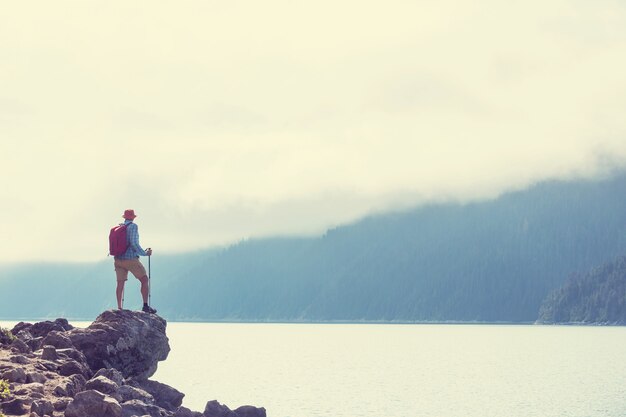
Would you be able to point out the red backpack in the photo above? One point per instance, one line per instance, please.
(117, 240)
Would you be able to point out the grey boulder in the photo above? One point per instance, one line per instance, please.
(165, 396)
(132, 342)
(57, 339)
(215, 409)
(42, 408)
(185, 412)
(14, 375)
(139, 408)
(250, 411)
(49, 353)
(113, 374)
(105, 386)
(93, 403)
(128, 392)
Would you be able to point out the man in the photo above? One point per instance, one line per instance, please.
(129, 261)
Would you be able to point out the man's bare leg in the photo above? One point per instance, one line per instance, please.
(145, 292)
(119, 292)
(145, 288)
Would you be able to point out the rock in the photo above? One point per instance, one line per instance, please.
(60, 391)
(185, 412)
(72, 367)
(49, 353)
(75, 384)
(27, 389)
(128, 392)
(5, 339)
(42, 408)
(215, 409)
(36, 377)
(132, 342)
(93, 404)
(64, 324)
(113, 374)
(70, 386)
(21, 346)
(124, 347)
(14, 375)
(165, 396)
(34, 343)
(57, 339)
(72, 353)
(46, 366)
(21, 326)
(250, 411)
(22, 360)
(42, 328)
(105, 386)
(36, 395)
(138, 408)
(61, 404)
(16, 406)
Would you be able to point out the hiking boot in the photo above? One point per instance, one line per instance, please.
(148, 309)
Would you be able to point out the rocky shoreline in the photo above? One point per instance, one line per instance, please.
(53, 369)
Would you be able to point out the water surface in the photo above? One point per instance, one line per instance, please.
(352, 370)
(368, 370)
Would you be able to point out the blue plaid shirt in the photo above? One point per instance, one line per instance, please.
(132, 237)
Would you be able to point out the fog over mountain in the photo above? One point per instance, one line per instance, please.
(494, 260)
(221, 121)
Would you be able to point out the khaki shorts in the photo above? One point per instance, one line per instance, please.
(122, 266)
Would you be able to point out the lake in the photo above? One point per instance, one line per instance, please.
(371, 370)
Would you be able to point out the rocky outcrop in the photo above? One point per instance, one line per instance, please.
(131, 342)
(57, 370)
(42, 328)
(30, 336)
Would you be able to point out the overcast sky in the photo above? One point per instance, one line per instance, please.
(223, 120)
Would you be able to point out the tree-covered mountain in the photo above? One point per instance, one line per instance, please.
(487, 261)
(598, 296)
(493, 260)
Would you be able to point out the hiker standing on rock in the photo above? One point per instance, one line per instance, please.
(125, 247)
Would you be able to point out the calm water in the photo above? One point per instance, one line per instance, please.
(338, 370)
(307, 370)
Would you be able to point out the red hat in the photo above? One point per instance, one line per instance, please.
(129, 214)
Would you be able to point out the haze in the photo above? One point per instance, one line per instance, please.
(220, 121)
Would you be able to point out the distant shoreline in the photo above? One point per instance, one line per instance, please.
(368, 322)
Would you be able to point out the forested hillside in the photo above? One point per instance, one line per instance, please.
(598, 296)
(486, 261)
(493, 260)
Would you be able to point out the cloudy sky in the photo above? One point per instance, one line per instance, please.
(223, 120)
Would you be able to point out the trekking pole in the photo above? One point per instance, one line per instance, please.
(149, 284)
